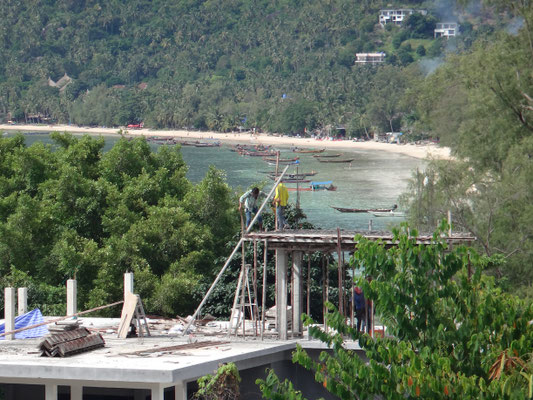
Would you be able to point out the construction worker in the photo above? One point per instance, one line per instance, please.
(249, 199)
(281, 200)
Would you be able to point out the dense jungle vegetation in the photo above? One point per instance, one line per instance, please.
(280, 66)
(277, 66)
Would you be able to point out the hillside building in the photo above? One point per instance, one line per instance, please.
(446, 29)
(370, 58)
(396, 16)
(62, 83)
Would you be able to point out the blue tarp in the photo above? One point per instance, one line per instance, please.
(321, 183)
(30, 318)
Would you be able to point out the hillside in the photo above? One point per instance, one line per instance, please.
(274, 65)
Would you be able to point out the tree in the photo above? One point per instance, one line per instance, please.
(420, 26)
(451, 333)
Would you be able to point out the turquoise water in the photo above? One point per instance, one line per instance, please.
(373, 180)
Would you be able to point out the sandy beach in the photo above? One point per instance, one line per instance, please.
(412, 150)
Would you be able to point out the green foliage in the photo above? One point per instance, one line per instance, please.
(450, 332)
(488, 187)
(224, 385)
(192, 64)
(273, 389)
(69, 210)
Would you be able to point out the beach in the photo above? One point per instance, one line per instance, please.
(421, 151)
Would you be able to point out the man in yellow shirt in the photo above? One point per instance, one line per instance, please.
(281, 200)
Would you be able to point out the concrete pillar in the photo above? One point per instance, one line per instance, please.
(22, 297)
(9, 311)
(72, 296)
(158, 392)
(50, 391)
(281, 294)
(180, 391)
(76, 392)
(297, 293)
(128, 283)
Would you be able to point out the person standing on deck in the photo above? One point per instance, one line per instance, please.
(249, 199)
(281, 199)
(359, 303)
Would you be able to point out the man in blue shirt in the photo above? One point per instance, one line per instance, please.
(249, 199)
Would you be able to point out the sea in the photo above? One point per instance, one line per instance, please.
(374, 179)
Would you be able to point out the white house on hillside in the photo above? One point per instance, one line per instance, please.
(369, 58)
(446, 29)
(396, 16)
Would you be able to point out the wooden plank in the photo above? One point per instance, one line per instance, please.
(128, 310)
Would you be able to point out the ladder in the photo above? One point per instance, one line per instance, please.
(133, 308)
(140, 318)
(240, 304)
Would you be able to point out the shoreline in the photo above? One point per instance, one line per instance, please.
(421, 151)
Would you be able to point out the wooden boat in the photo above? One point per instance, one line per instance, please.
(388, 214)
(327, 155)
(298, 175)
(297, 150)
(314, 186)
(257, 153)
(363, 210)
(292, 180)
(204, 144)
(326, 185)
(349, 160)
(281, 160)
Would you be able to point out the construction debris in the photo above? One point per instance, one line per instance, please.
(187, 346)
(71, 342)
(64, 326)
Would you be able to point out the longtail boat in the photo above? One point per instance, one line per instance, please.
(364, 210)
(349, 160)
(291, 180)
(389, 214)
(207, 144)
(314, 186)
(326, 185)
(257, 153)
(297, 150)
(293, 176)
(281, 160)
(327, 155)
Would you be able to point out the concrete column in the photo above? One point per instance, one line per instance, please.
(72, 296)
(158, 392)
(297, 295)
(50, 391)
(22, 297)
(9, 311)
(180, 391)
(128, 283)
(281, 294)
(76, 392)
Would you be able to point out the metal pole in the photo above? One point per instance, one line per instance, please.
(340, 273)
(267, 198)
(309, 284)
(256, 316)
(232, 254)
(226, 265)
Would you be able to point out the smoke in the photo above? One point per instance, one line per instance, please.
(429, 65)
(514, 26)
(444, 10)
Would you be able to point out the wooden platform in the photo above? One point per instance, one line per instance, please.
(328, 240)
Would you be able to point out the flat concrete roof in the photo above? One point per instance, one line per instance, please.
(140, 361)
